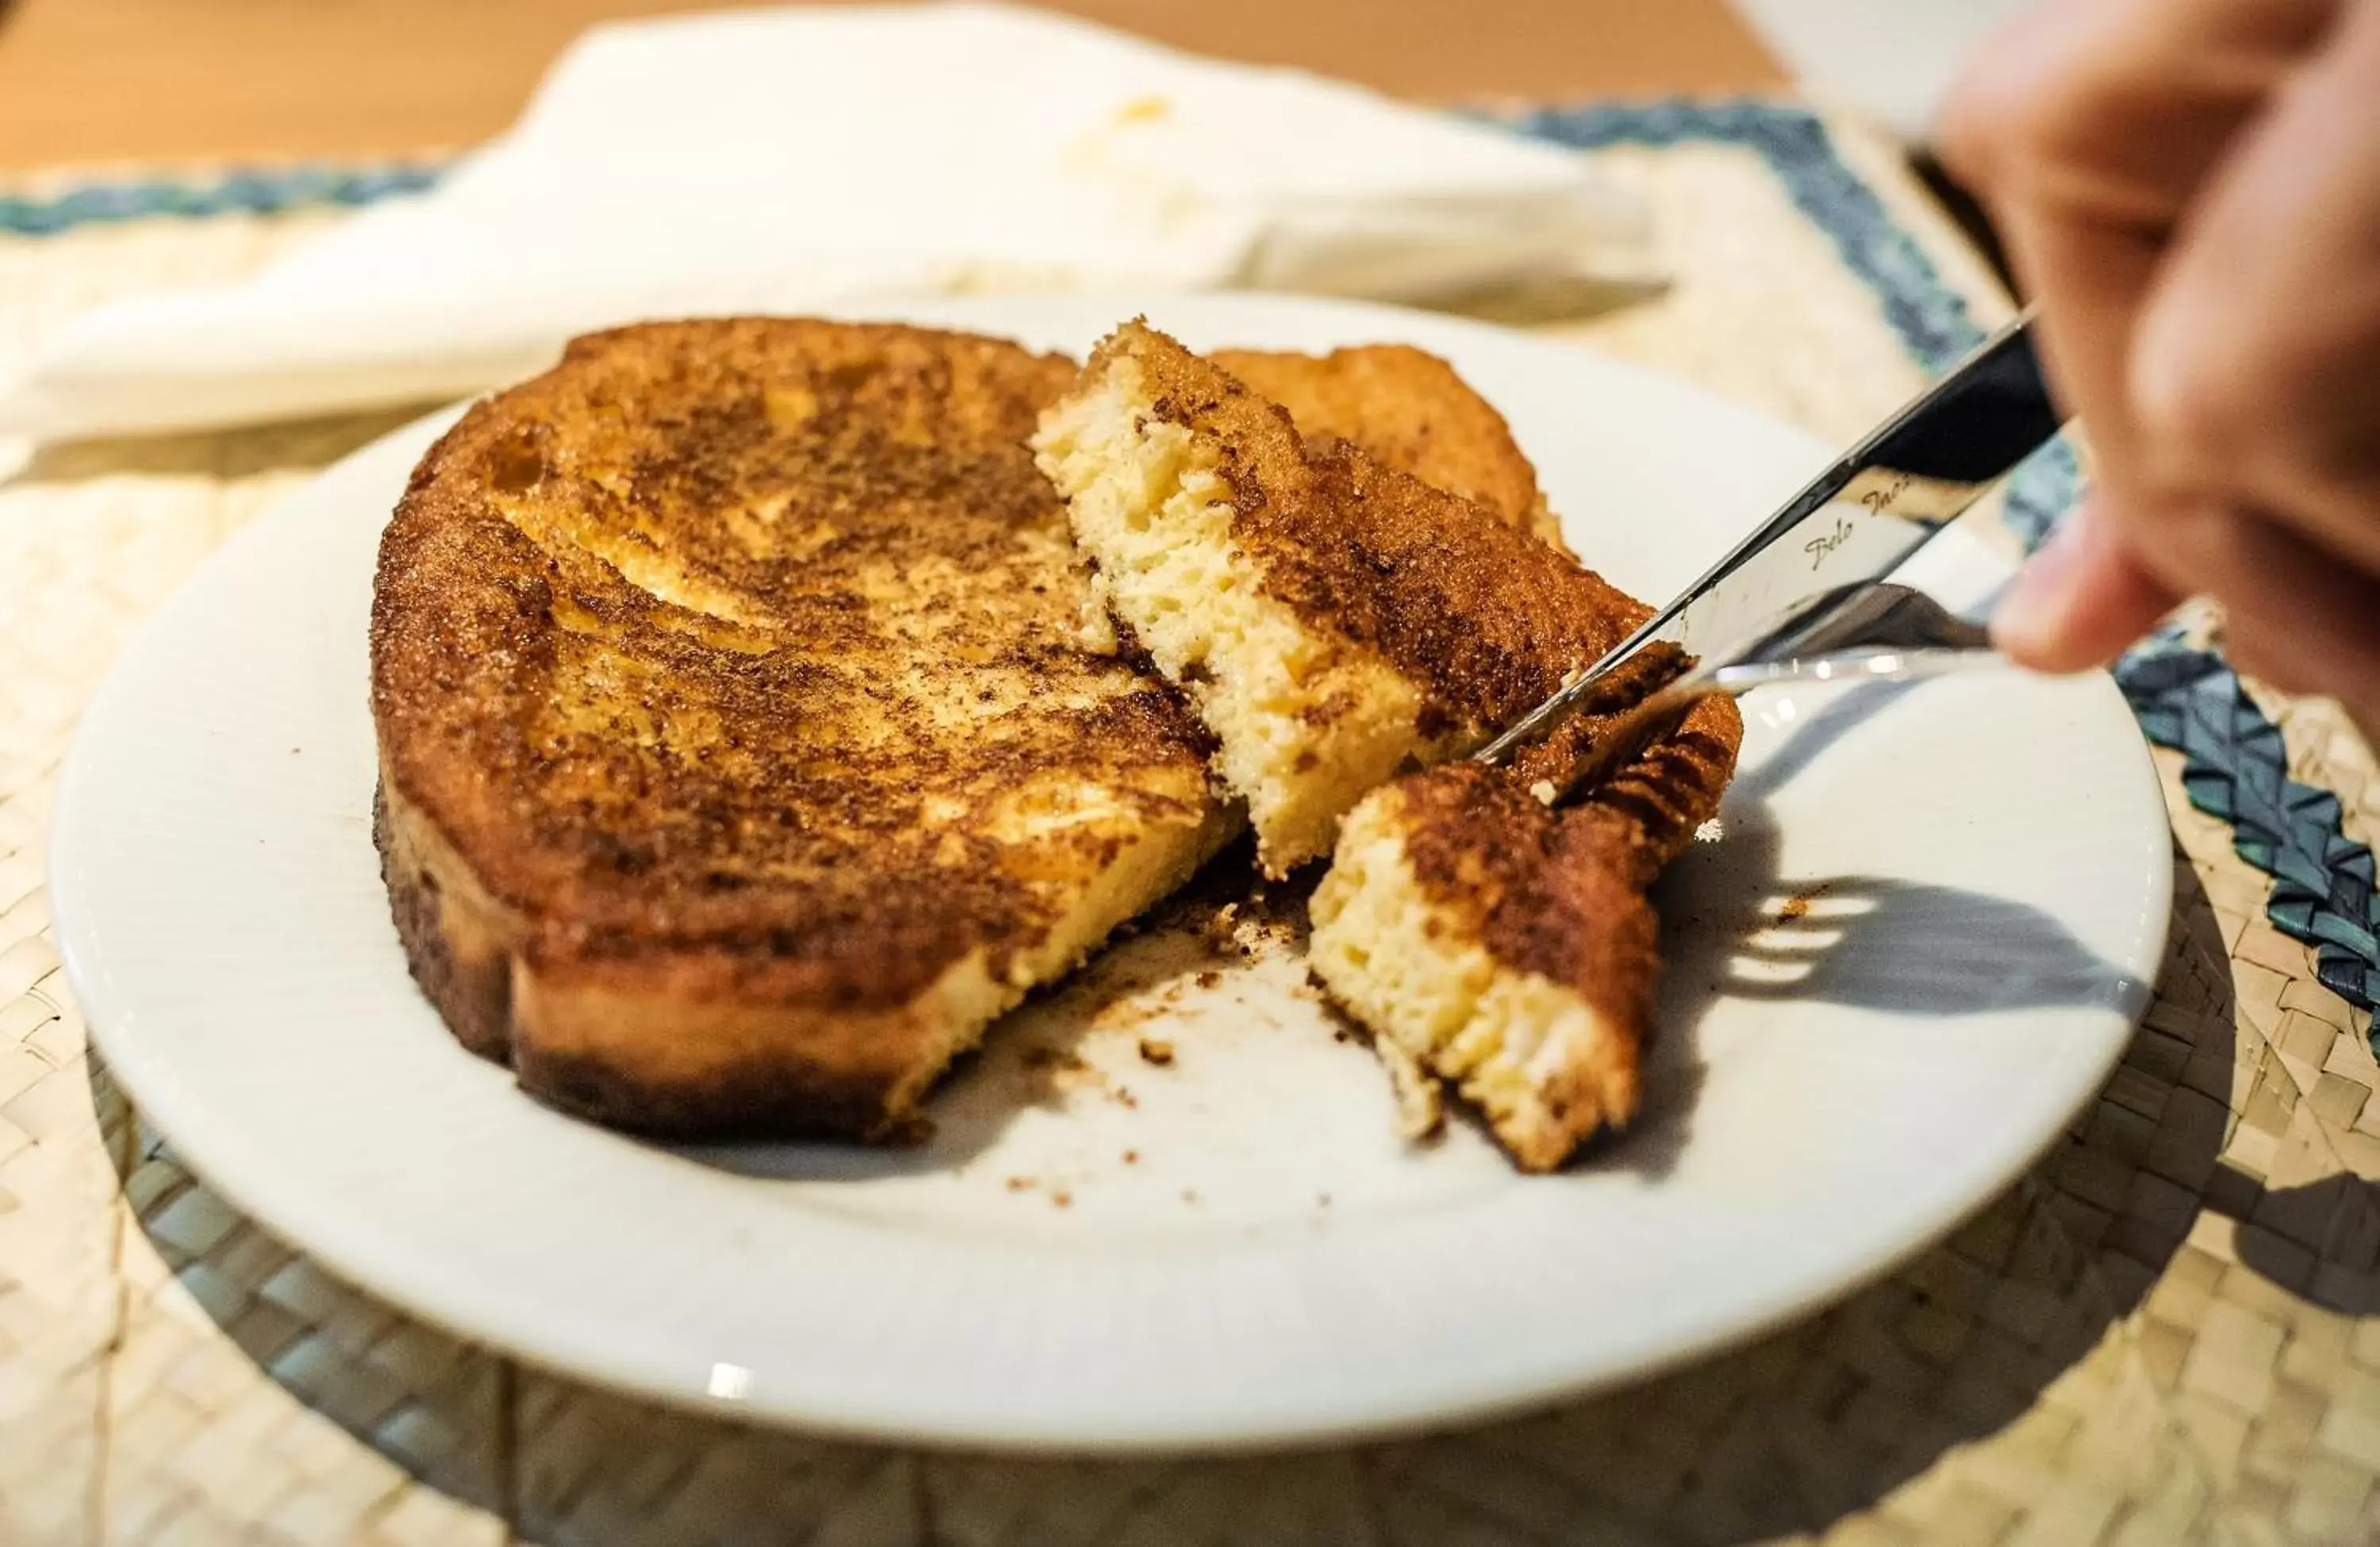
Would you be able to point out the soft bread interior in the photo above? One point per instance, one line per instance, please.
(1540, 1064)
(1304, 723)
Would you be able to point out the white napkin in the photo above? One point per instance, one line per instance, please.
(774, 160)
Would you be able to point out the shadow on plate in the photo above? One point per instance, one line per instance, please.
(1875, 943)
(1735, 927)
(1861, 941)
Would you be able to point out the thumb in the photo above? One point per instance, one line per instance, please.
(2082, 598)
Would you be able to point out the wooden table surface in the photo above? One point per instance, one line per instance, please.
(89, 82)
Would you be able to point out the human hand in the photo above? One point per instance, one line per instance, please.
(2191, 190)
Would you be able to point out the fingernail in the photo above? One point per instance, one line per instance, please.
(2032, 618)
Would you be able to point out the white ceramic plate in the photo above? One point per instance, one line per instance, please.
(1984, 860)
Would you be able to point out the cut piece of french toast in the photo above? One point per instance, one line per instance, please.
(1336, 621)
(1332, 619)
(1494, 935)
(742, 755)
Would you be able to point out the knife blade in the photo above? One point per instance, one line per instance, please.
(1877, 504)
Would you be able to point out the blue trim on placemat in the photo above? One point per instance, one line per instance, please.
(2236, 765)
(272, 193)
(1929, 316)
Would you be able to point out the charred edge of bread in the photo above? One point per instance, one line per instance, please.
(579, 1050)
(734, 1068)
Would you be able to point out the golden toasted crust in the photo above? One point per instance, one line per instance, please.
(1332, 618)
(735, 718)
(1481, 615)
(1410, 409)
(1558, 890)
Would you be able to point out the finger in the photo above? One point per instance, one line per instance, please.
(2257, 650)
(2081, 600)
(2118, 107)
(2089, 280)
(2085, 130)
(2305, 620)
(2256, 381)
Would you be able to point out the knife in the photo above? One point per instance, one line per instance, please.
(1879, 503)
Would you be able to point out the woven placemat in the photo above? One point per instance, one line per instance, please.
(2167, 1331)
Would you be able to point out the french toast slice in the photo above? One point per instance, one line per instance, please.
(1332, 618)
(742, 753)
